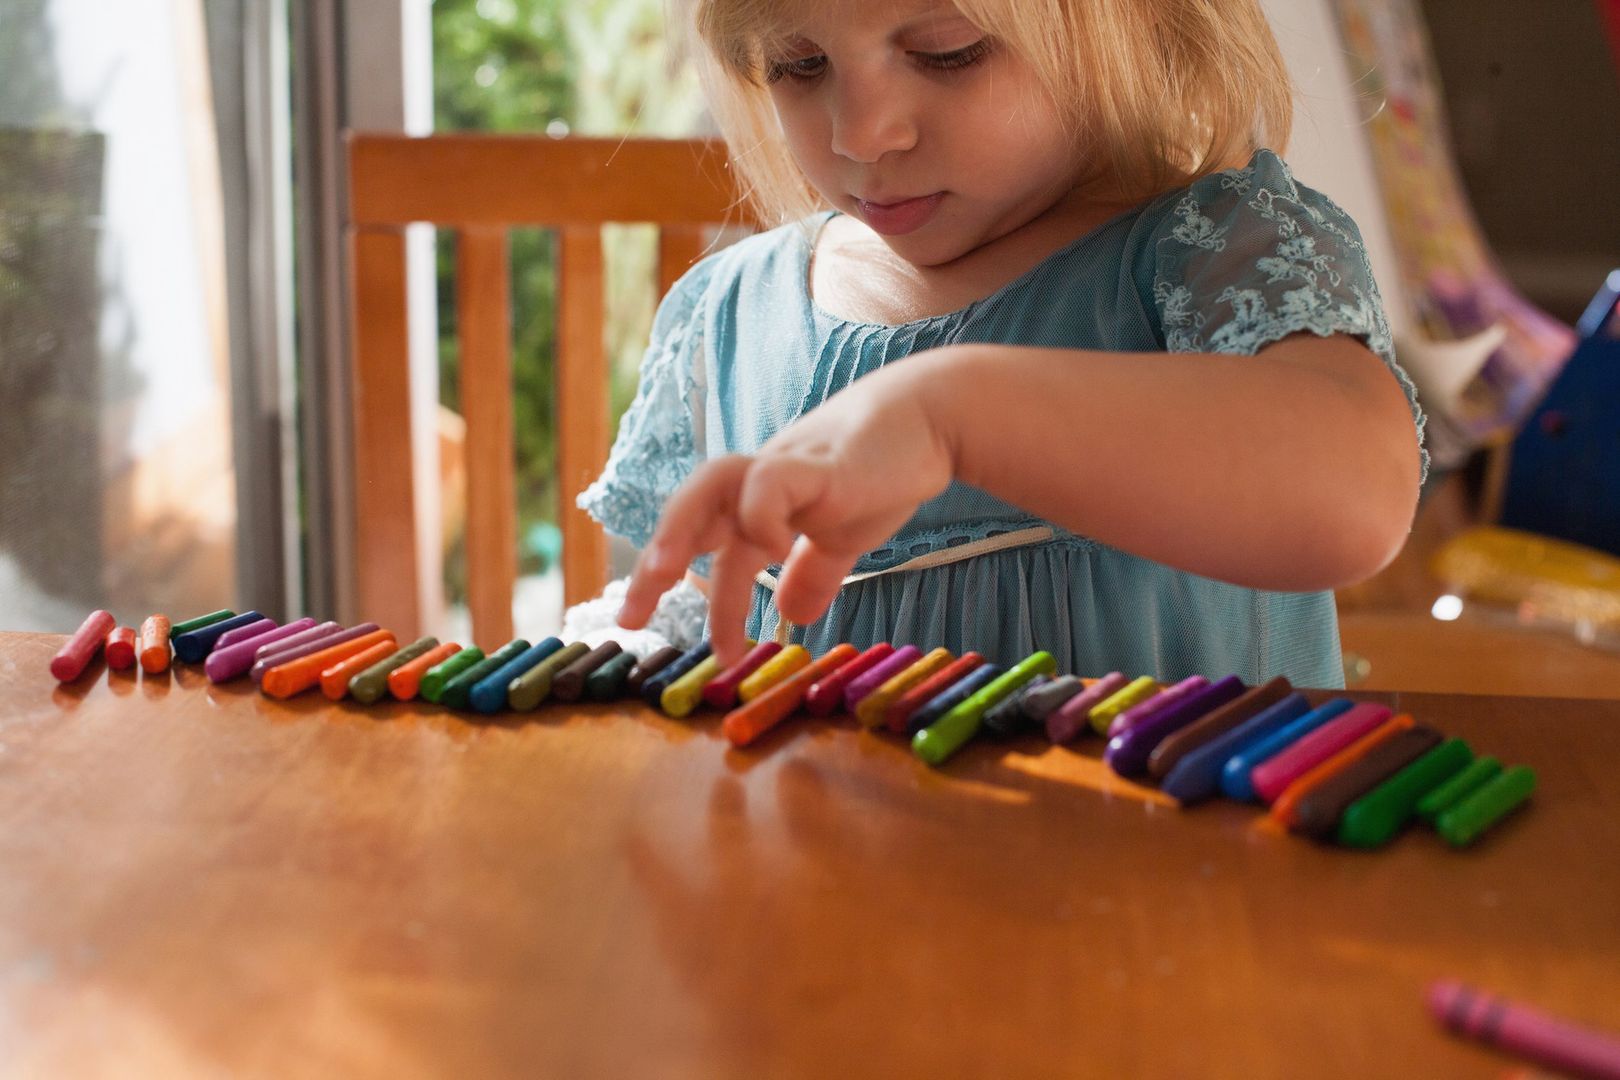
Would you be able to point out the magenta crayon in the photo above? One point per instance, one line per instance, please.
(242, 633)
(1127, 753)
(228, 662)
(120, 648)
(827, 695)
(878, 674)
(1524, 1030)
(72, 658)
(1074, 715)
(1156, 704)
(1271, 776)
(277, 657)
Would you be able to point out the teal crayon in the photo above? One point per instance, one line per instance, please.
(488, 694)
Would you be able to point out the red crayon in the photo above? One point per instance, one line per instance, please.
(120, 647)
(721, 691)
(827, 695)
(1526, 1031)
(71, 660)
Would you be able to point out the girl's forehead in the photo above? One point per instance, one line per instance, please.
(803, 16)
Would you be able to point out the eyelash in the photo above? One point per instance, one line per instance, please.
(954, 60)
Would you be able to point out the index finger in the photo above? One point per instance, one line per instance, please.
(698, 518)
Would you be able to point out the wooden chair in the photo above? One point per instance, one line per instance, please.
(480, 186)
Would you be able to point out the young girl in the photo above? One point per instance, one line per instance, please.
(1048, 351)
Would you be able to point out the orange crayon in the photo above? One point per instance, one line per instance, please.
(296, 676)
(404, 680)
(748, 722)
(335, 679)
(1283, 809)
(154, 644)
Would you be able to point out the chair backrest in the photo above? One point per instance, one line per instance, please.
(480, 186)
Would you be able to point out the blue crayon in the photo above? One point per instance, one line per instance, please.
(653, 689)
(952, 696)
(193, 646)
(488, 695)
(1197, 775)
(1235, 779)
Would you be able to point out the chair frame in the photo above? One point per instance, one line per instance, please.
(480, 186)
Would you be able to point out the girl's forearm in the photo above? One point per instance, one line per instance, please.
(1295, 470)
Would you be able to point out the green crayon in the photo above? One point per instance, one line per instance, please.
(434, 679)
(1378, 815)
(199, 622)
(456, 690)
(1485, 806)
(607, 682)
(1442, 798)
(951, 732)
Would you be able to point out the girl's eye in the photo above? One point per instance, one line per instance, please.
(956, 58)
(802, 67)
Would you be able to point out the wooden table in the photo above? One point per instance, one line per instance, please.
(197, 880)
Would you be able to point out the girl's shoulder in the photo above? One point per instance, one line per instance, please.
(1263, 195)
(741, 263)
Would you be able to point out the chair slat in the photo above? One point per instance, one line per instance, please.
(679, 246)
(385, 515)
(582, 407)
(464, 180)
(484, 317)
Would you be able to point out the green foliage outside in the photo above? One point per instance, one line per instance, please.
(586, 67)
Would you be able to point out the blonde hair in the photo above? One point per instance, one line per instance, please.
(1161, 91)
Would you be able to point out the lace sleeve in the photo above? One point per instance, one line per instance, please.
(1249, 256)
(660, 437)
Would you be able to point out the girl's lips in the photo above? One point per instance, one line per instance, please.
(897, 219)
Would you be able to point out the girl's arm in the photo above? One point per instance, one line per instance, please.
(1295, 469)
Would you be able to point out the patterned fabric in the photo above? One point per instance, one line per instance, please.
(1236, 261)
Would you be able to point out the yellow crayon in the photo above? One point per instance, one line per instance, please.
(874, 707)
(1133, 693)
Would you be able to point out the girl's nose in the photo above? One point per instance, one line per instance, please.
(871, 120)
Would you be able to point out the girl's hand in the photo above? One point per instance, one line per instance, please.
(835, 483)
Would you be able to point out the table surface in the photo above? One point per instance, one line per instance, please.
(199, 880)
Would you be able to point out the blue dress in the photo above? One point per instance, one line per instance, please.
(1235, 261)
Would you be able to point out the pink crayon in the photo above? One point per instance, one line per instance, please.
(312, 640)
(224, 664)
(1073, 715)
(1271, 776)
(1525, 1031)
(879, 673)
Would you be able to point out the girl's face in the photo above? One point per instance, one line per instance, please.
(906, 117)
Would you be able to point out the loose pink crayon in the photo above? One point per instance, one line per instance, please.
(71, 660)
(235, 659)
(1526, 1031)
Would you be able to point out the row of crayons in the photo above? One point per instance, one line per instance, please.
(1346, 771)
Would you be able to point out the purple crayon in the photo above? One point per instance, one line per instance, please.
(235, 659)
(880, 673)
(292, 641)
(242, 633)
(1156, 704)
(1127, 752)
(335, 637)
